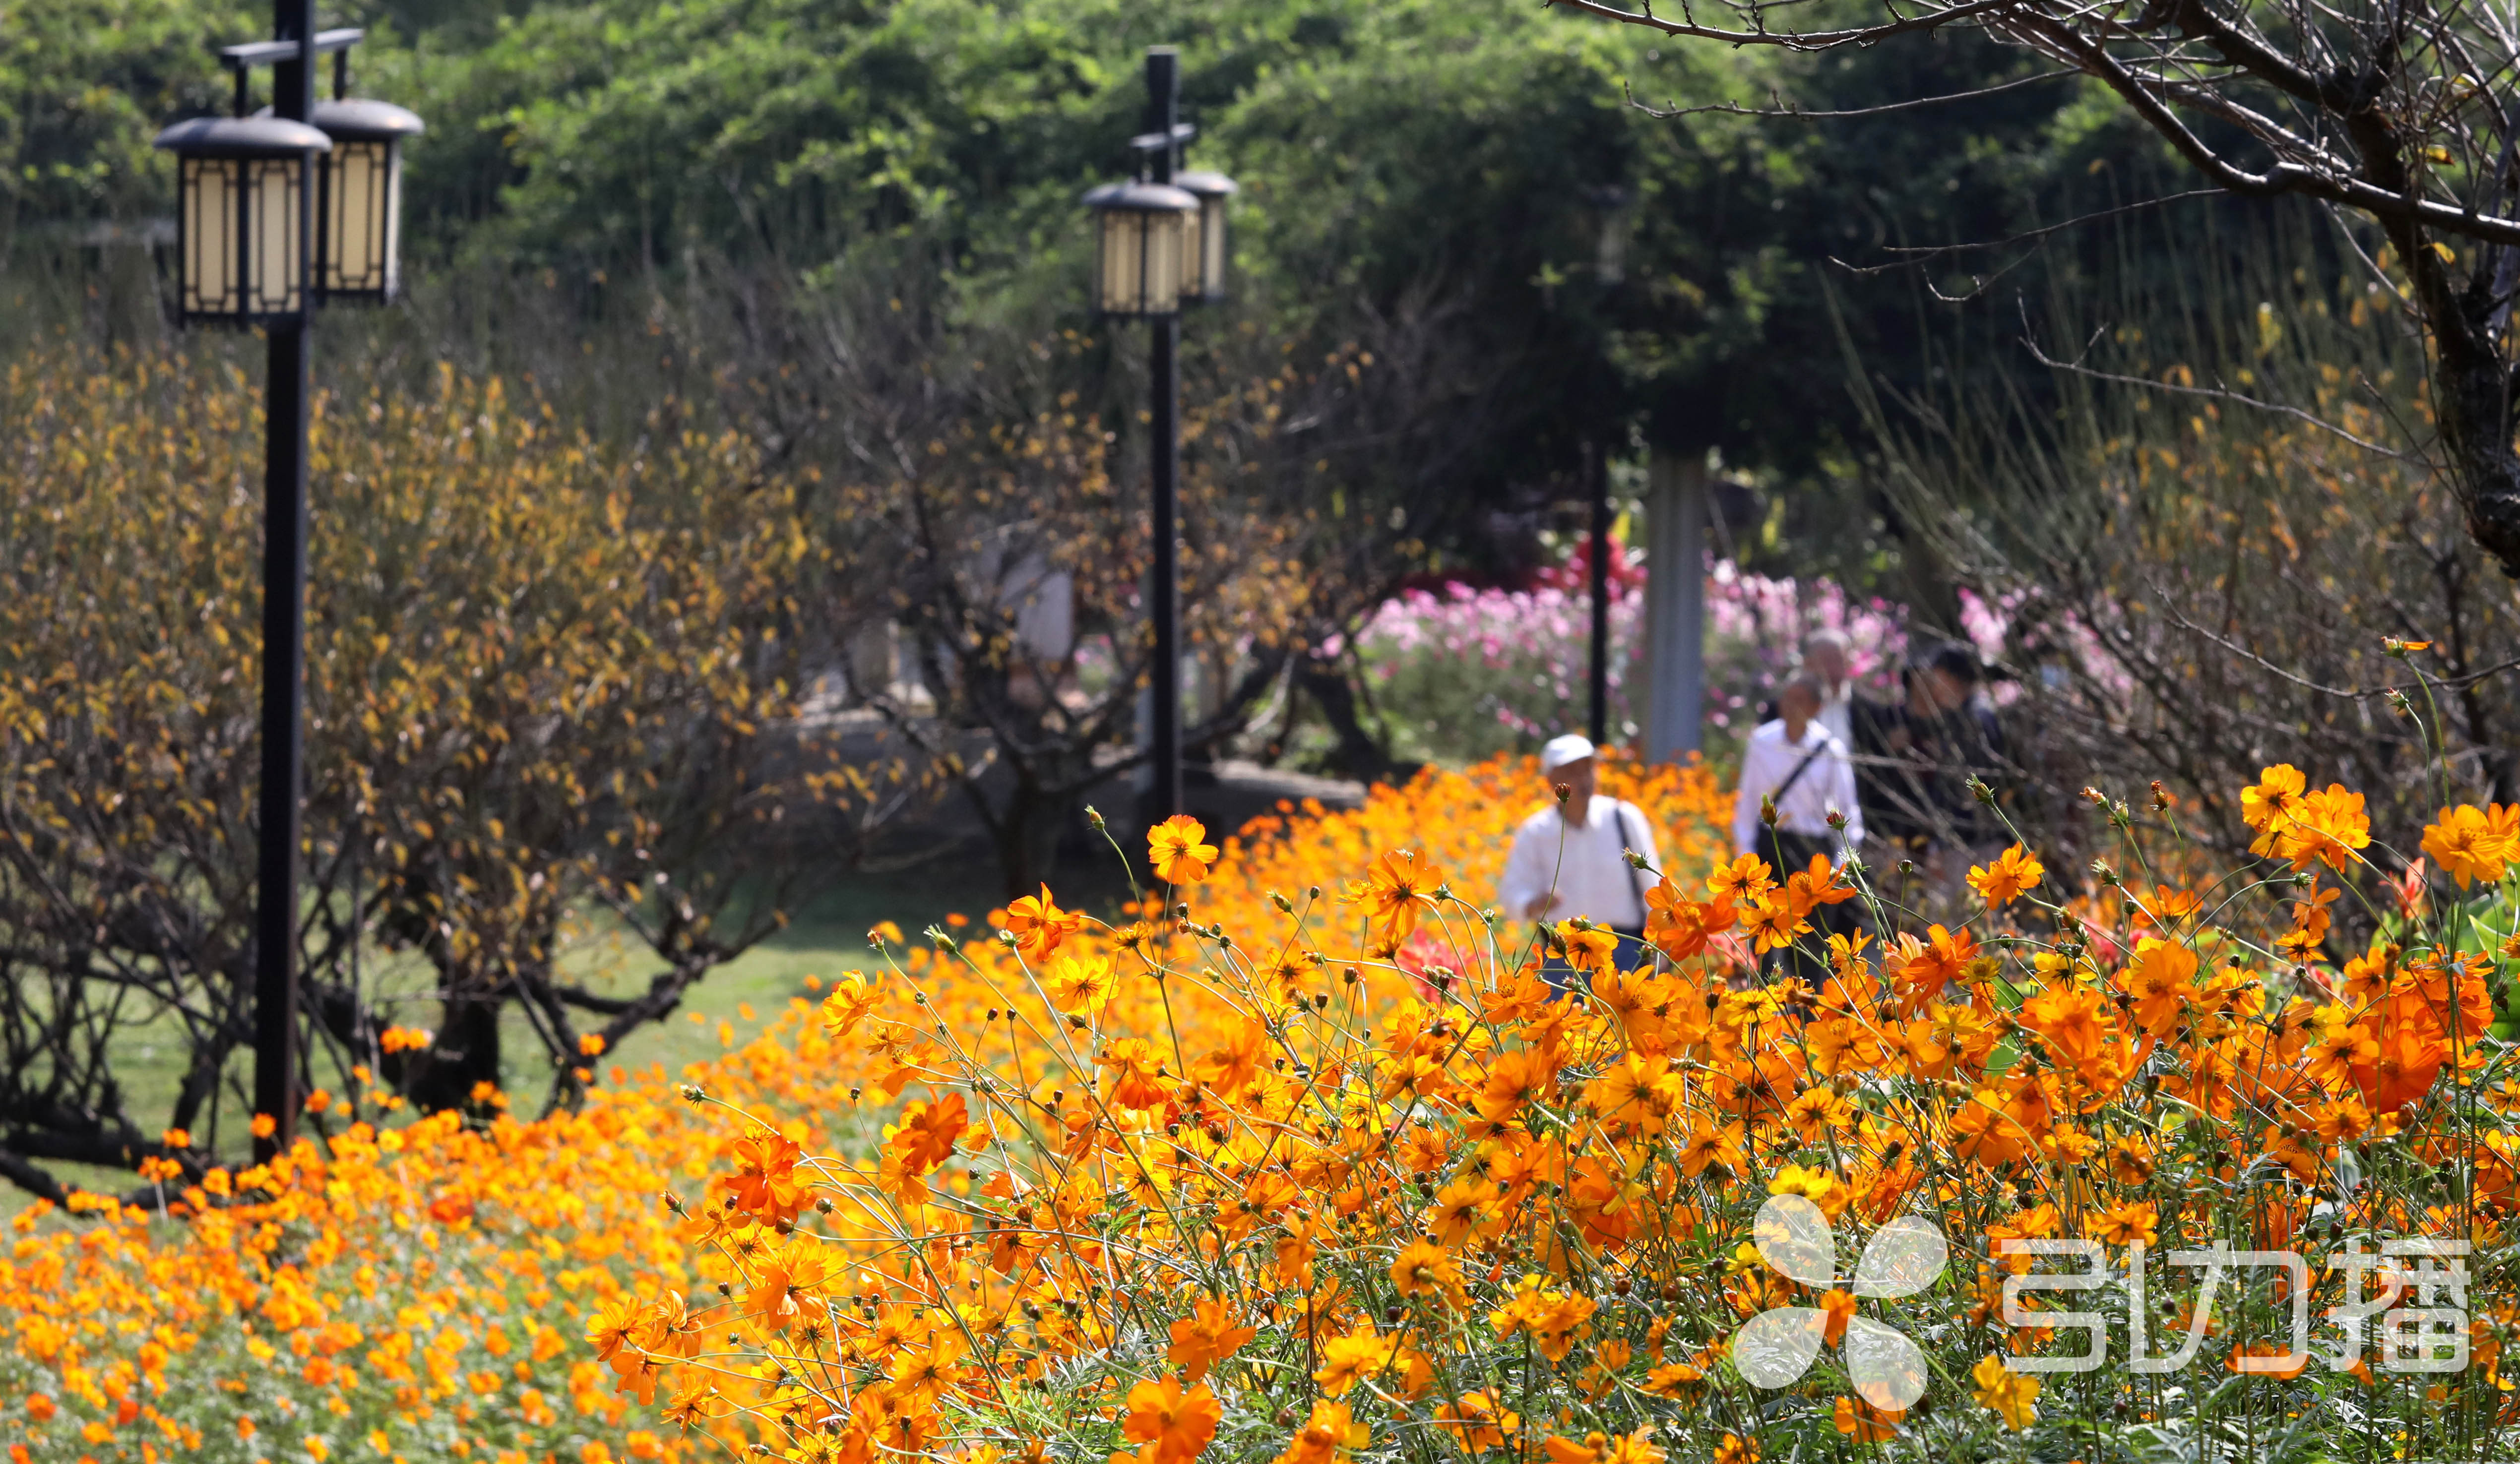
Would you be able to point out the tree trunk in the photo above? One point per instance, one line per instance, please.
(465, 1053)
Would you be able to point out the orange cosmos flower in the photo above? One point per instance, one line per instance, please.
(1173, 1424)
(1359, 1354)
(2411, 1049)
(2472, 843)
(1137, 1080)
(1927, 966)
(2275, 796)
(1465, 1210)
(1773, 925)
(1426, 1268)
(616, 1318)
(1478, 1423)
(1179, 850)
(1640, 1092)
(1038, 924)
(765, 1183)
(1806, 890)
(1589, 946)
(924, 1375)
(1721, 1147)
(2331, 826)
(1680, 927)
(2127, 1223)
(1596, 1449)
(1230, 1068)
(1745, 878)
(925, 1137)
(1865, 1423)
(851, 998)
(1328, 1435)
(785, 1287)
(2326, 827)
(2015, 872)
(1206, 1336)
(1393, 891)
(2161, 983)
(1512, 1079)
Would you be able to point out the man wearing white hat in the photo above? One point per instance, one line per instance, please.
(1569, 858)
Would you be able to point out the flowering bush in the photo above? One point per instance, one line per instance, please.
(403, 1294)
(421, 1292)
(1465, 674)
(1306, 1163)
(1309, 1163)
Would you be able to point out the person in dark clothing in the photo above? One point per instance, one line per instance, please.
(1946, 735)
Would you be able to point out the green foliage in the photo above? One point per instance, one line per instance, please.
(1400, 160)
(84, 85)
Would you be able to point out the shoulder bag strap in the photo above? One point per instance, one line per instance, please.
(1636, 876)
(1800, 768)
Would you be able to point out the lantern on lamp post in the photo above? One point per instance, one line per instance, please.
(276, 213)
(1159, 244)
(1140, 232)
(243, 214)
(1204, 247)
(359, 199)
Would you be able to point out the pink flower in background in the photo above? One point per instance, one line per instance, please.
(1464, 672)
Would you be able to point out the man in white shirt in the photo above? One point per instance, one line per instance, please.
(1796, 762)
(1569, 858)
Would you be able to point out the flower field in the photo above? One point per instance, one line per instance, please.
(1308, 1164)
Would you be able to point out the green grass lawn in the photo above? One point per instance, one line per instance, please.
(826, 936)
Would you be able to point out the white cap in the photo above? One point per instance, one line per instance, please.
(1560, 751)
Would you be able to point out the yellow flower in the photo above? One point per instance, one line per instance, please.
(1346, 1360)
(2012, 1396)
(1080, 984)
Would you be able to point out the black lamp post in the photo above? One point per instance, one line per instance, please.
(1161, 245)
(274, 213)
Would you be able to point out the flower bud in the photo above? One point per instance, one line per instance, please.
(1092, 820)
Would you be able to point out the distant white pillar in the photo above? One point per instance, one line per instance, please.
(1674, 672)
